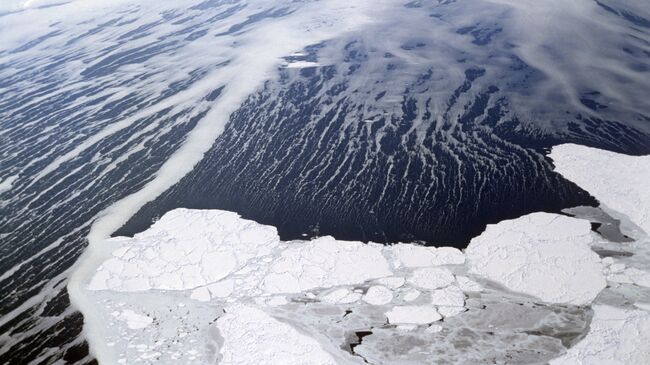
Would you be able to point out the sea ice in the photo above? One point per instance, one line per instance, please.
(422, 256)
(132, 319)
(450, 296)
(341, 296)
(411, 295)
(540, 254)
(251, 336)
(616, 337)
(325, 262)
(431, 277)
(413, 314)
(378, 295)
(622, 185)
(241, 266)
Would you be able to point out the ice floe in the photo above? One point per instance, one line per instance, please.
(545, 255)
(621, 183)
(620, 273)
(341, 296)
(179, 252)
(413, 314)
(431, 278)
(378, 295)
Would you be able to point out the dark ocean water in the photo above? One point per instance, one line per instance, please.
(312, 157)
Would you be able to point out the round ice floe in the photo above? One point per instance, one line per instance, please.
(450, 296)
(431, 278)
(449, 300)
(541, 254)
(378, 295)
(411, 295)
(413, 314)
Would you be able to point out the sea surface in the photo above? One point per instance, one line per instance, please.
(407, 121)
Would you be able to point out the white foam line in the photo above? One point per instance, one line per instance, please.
(104, 133)
(7, 184)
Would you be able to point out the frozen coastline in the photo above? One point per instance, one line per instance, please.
(209, 286)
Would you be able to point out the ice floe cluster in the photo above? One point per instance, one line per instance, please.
(218, 255)
(210, 286)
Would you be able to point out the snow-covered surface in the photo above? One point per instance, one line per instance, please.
(179, 252)
(249, 59)
(421, 256)
(616, 337)
(413, 314)
(378, 295)
(621, 182)
(250, 336)
(325, 262)
(431, 278)
(132, 319)
(619, 273)
(234, 285)
(218, 258)
(545, 255)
